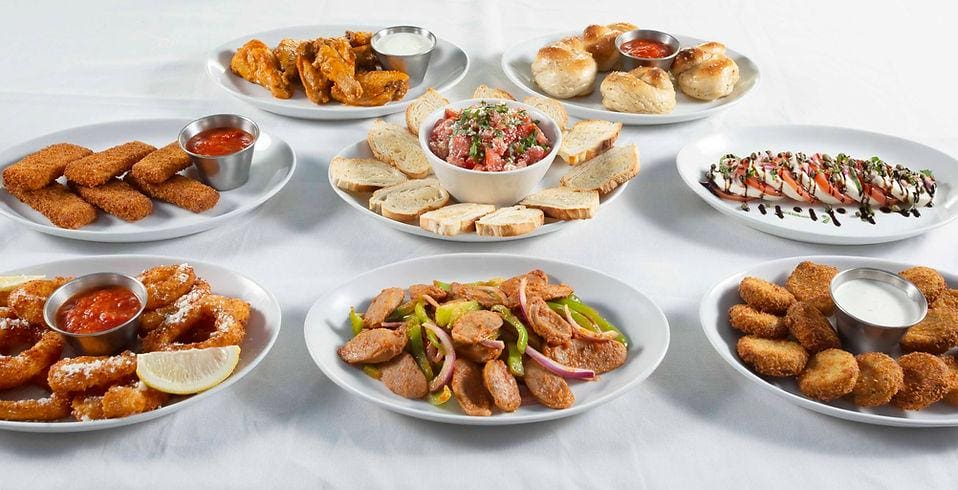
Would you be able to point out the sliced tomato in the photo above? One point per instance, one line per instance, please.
(789, 179)
(825, 184)
(762, 187)
(731, 197)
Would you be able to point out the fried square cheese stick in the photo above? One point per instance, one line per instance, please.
(180, 191)
(160, 165)
(99, 168)
(117, 198)
(62, 207)
(39, 169)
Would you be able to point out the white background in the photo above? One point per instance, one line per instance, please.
(882, 66)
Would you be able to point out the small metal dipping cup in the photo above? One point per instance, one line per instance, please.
(414, 65)
(629, 62)
(227, 171)
(862, 336)
(107, 342)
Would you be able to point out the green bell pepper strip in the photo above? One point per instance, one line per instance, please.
(372, 371)
(575, 304)
(445, 286)
(440, 397)
(414, 331)
(578, 317)
(400, 314)
(515, 360)
(448, 313)
(355, 321)
(420, 311)
(521, 332)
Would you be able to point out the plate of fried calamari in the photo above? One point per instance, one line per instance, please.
(486, 339)
(326, 72)
(191, 330)
(128, 181)
(782, 325)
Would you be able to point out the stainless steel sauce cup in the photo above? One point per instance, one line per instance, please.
(227, 171)
(414, 65)
(629, 62)
(859, 335)
(107, 342)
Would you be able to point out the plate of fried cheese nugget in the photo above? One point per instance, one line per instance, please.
(128, 181)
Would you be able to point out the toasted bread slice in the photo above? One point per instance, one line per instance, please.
(512, 221)
(564, 203)
(423, 106)
(604, 172)
(364, 174)
(553, 108)
(486, 92)
(454, 218)
(409, 200)
(378, 197)
(395, 146)
(587, 140)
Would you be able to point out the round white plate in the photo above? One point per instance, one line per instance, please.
(639, 318)
(273, 165)
(448, 64)
(261, 331)
(694, 160)
(360, 201)
(517, 64)
(713, 313)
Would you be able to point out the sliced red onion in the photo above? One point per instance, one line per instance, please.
(445, 374)
(585, 332)
(559, 369)
(494, 344)
(391, 324)
(522, 298)
(431, 300)
(432, 352)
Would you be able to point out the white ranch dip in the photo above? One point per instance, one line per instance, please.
(403, 44)
(877, 302)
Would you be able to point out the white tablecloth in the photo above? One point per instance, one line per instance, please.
(880, 66)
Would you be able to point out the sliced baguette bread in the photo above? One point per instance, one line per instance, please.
(423, 106)
(378, 197)
(588, 139)
(512, 221)
(486, 92)
(564, 203)
(364, 174)
(395, 146)
(553, 108)
(604, 172)
(409, 200)
(454, 218)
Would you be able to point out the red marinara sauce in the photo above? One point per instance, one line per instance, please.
(645, 48)
(217, 142)
(98, 310)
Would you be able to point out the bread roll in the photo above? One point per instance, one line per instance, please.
(564, 69)
(705, 72)
(644, 90)
(600, 43)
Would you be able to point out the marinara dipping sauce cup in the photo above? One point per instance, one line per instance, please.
(630, 61)
(221, 147)
(100, 343)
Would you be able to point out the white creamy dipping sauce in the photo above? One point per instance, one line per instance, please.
(403, 44)
(877, 302)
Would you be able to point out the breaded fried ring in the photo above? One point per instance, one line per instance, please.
(15, 332)
(87, 407)
(951, 362)
(39, 169)
(99, 168)
(830, 374)
(229, 316)
(54, 407)
(27, 301)
(765, 296)
(926, 381)
(810, 327)
(753, 322)
(947, 299)
(162, 164)
(179, 190)
(85, 373)
(809, 282)
(165, 283)
(62, 207)
(123, 401)
(117, 198)
(772, 357)
(928, 281)
(879, 378)
(937, 333)
(20, 369)
(181, 314)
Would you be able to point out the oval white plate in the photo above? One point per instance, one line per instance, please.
(273, 165)
(694, 160)
(360, 201)
(713, 313)
(261, 331)
(639, 318)
(517, 64)
(448, 64)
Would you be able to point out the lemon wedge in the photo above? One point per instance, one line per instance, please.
(185, 372)
(8, 283)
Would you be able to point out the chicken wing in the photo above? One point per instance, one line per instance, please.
(314, 82)
(337, 62)
(255, 62)
(286, 53)
(379, 87)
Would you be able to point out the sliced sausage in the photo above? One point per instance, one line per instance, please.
(478, 352)
(487, 296)
(548, 324)
(474, 326)
(537, 286)
(469, 389)
(403, 377)
(382, 305)
(373, 346)
(601, 356)
(417, 291)
(551, 390)
(501, 385)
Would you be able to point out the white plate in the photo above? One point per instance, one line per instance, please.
(261, 331)
(448, 64)
(360, 201)
(517, 64)
(713, 313)
(273, 166)
(639, 318)
(694, 160)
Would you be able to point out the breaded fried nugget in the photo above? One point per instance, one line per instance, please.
(62, 207)
(928, 281)
(811, 328)
(99, 168)
(772, 357)
(937, 333)
(947, 299)
(952, 363)
(879, 378)
(809, 282)
(754, 322)
(926, 381)
(830, 374)
(27, 301)
(179, 190)
(123, 401)
(117, 198)
(162, 164)
(765, 296)
(39, 169)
